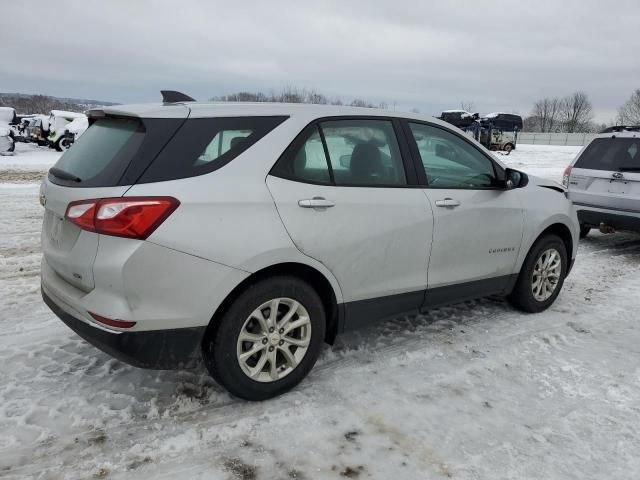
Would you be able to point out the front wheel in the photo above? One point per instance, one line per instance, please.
(268, 339)
(542, 275)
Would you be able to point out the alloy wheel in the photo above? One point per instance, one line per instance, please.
(274, 339)
(546, 274)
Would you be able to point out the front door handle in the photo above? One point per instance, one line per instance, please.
(447, 202)
(315, 202)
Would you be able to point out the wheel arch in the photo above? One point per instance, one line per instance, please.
(307, 273)
(561, 230)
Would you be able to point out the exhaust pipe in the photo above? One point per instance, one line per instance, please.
(604, 228)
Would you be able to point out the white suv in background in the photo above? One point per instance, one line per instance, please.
(249, 234)
(604, 181)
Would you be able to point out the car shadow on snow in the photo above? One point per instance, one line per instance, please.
(99, 378)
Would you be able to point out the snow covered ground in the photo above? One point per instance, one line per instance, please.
(472, 391)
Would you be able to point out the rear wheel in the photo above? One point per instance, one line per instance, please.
(508, 147)
(584, 230)
(268, 339)
(541, 276)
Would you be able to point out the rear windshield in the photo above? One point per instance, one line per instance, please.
(100, 146)
(611, 154)
(123, 150)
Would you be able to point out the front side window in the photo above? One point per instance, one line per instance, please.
(450, 161)
(363, 152)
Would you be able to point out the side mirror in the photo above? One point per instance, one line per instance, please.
(514, 179)
(345, 161)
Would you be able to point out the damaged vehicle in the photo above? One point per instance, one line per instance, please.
(7, 137)
(604, 181)
(247, 235)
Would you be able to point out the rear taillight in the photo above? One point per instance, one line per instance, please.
(130, 217)
(565, 177)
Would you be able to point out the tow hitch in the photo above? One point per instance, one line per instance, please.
(604, 228)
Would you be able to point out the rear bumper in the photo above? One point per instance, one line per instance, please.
(155, 349)
(619, 219)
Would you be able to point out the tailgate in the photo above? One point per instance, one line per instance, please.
(617, 190)
(67, 249)
(103, 163)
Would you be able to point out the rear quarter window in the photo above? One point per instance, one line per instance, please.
(611, 154)
(203, 145)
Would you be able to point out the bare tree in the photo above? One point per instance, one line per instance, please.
(629, 113)
(468, 106)
(576, 112)
(358, 102)
(531, 124)
(546, 112)
(38, 103)
(294, 95)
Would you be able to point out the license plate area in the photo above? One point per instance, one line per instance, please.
(618, 187)
(55, 229)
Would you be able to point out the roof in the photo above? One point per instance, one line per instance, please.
(237, 109)
(497, 114)
(623, 134)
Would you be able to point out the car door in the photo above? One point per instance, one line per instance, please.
(342, 191)
(478, 224)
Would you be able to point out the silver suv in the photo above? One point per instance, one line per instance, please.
(604, 181)
(249, 234)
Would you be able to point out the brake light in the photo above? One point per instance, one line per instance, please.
(565, 177)
(129, 217)
(112, 323)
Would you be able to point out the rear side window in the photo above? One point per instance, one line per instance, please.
(359, 153)
(364, 152)
(203, 145)
(611, 154)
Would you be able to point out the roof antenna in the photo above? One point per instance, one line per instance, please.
(171, 96)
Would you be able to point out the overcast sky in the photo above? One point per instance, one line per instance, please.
(429, 55)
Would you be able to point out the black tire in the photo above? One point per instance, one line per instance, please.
(508, 147)
(12, 148)
(58, 145)
(220, 341)
(584, 231)
(522, 295)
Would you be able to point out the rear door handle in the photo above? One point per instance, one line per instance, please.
(447, 202)
(315, 202)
